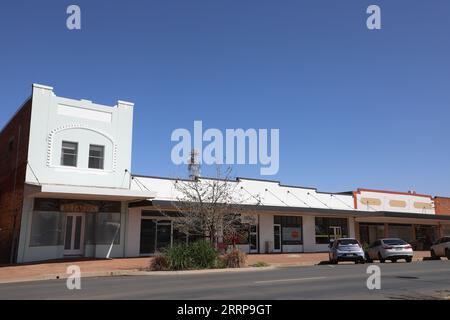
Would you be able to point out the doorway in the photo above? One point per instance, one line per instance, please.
(155, 235)
(74, 234)
(277, 238)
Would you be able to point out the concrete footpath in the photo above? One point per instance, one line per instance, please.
(138, 266)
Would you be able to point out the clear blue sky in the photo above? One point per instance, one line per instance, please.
(355, 108)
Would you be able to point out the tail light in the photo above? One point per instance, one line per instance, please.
(408, 247)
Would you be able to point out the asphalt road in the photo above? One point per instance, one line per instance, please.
(417, 280)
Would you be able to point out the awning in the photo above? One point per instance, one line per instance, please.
(86, 193)
(359, 215)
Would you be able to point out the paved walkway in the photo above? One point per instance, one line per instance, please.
(57, 269)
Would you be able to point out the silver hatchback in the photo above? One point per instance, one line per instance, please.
(346, 249)
(392, 249)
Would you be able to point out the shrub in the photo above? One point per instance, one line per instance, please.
(178, 257)
(234, 259)
(203, 255)
(159, 263)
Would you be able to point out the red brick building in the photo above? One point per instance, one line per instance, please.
(14, 139)
(442, 205)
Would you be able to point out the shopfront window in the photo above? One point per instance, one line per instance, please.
(103, 228)
(426, 235)
(370, 232)
(402, 231)
(291, 229)
(47, 228)
(446, 230)
(328, 229)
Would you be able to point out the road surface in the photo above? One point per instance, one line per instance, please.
(417, 280)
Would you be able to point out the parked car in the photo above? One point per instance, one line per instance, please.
(392, 249)
(346, 249)
(441, 248)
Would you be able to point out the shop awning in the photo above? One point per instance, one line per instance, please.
(359, 215)
(86, 193)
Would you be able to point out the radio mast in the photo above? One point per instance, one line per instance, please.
(194, 165)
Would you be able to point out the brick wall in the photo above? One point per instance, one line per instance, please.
(442, 205)
(13, 164)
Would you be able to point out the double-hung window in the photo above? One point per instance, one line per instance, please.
(96, 156)
(69, 152)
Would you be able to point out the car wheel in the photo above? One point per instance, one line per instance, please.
(447, 253)
(408, 259)
(362, 261)
(433, 255)
(380, 257)
(393, 260)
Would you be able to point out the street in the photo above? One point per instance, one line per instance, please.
(417, 280)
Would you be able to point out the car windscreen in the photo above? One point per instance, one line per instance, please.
(347, 242)
(394, 242)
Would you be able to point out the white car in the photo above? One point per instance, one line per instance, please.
(441, 248)
(390, 249)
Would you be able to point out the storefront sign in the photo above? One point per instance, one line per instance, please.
(79, 207)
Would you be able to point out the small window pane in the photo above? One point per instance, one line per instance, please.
(96, 156)
(69, 153)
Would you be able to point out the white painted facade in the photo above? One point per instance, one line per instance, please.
(55, 119)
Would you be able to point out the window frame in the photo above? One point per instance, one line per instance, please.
(95, 157)
(63, 153)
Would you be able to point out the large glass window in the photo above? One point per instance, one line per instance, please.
(69, 153)
(328, 229)
(102, 227)
(291, 229)
(47, 228)
(402, 231)
(96, 156)
(446, 230)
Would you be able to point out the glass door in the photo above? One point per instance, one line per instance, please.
(163, 235)
(148, 236)
(277, 238)
(253, 239)
(74, 234)
(335, 233)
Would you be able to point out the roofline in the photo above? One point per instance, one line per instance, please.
(394, 192)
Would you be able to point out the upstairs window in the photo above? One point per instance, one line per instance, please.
(96, 156)
(69, 153)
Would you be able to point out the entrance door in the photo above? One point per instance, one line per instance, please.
(148, 236)
(74, 234)
(277, 238)
(155, 235)
(335, 233)
(163, 235)
(253, 240)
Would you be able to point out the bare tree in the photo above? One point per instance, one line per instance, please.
(211, 208)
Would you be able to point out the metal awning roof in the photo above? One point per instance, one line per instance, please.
(86, 193)
(165, 204)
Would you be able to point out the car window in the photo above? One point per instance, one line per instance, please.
(394, 242)
(347, 242)
(445, 240)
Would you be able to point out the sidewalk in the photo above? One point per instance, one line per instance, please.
(133, 266)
